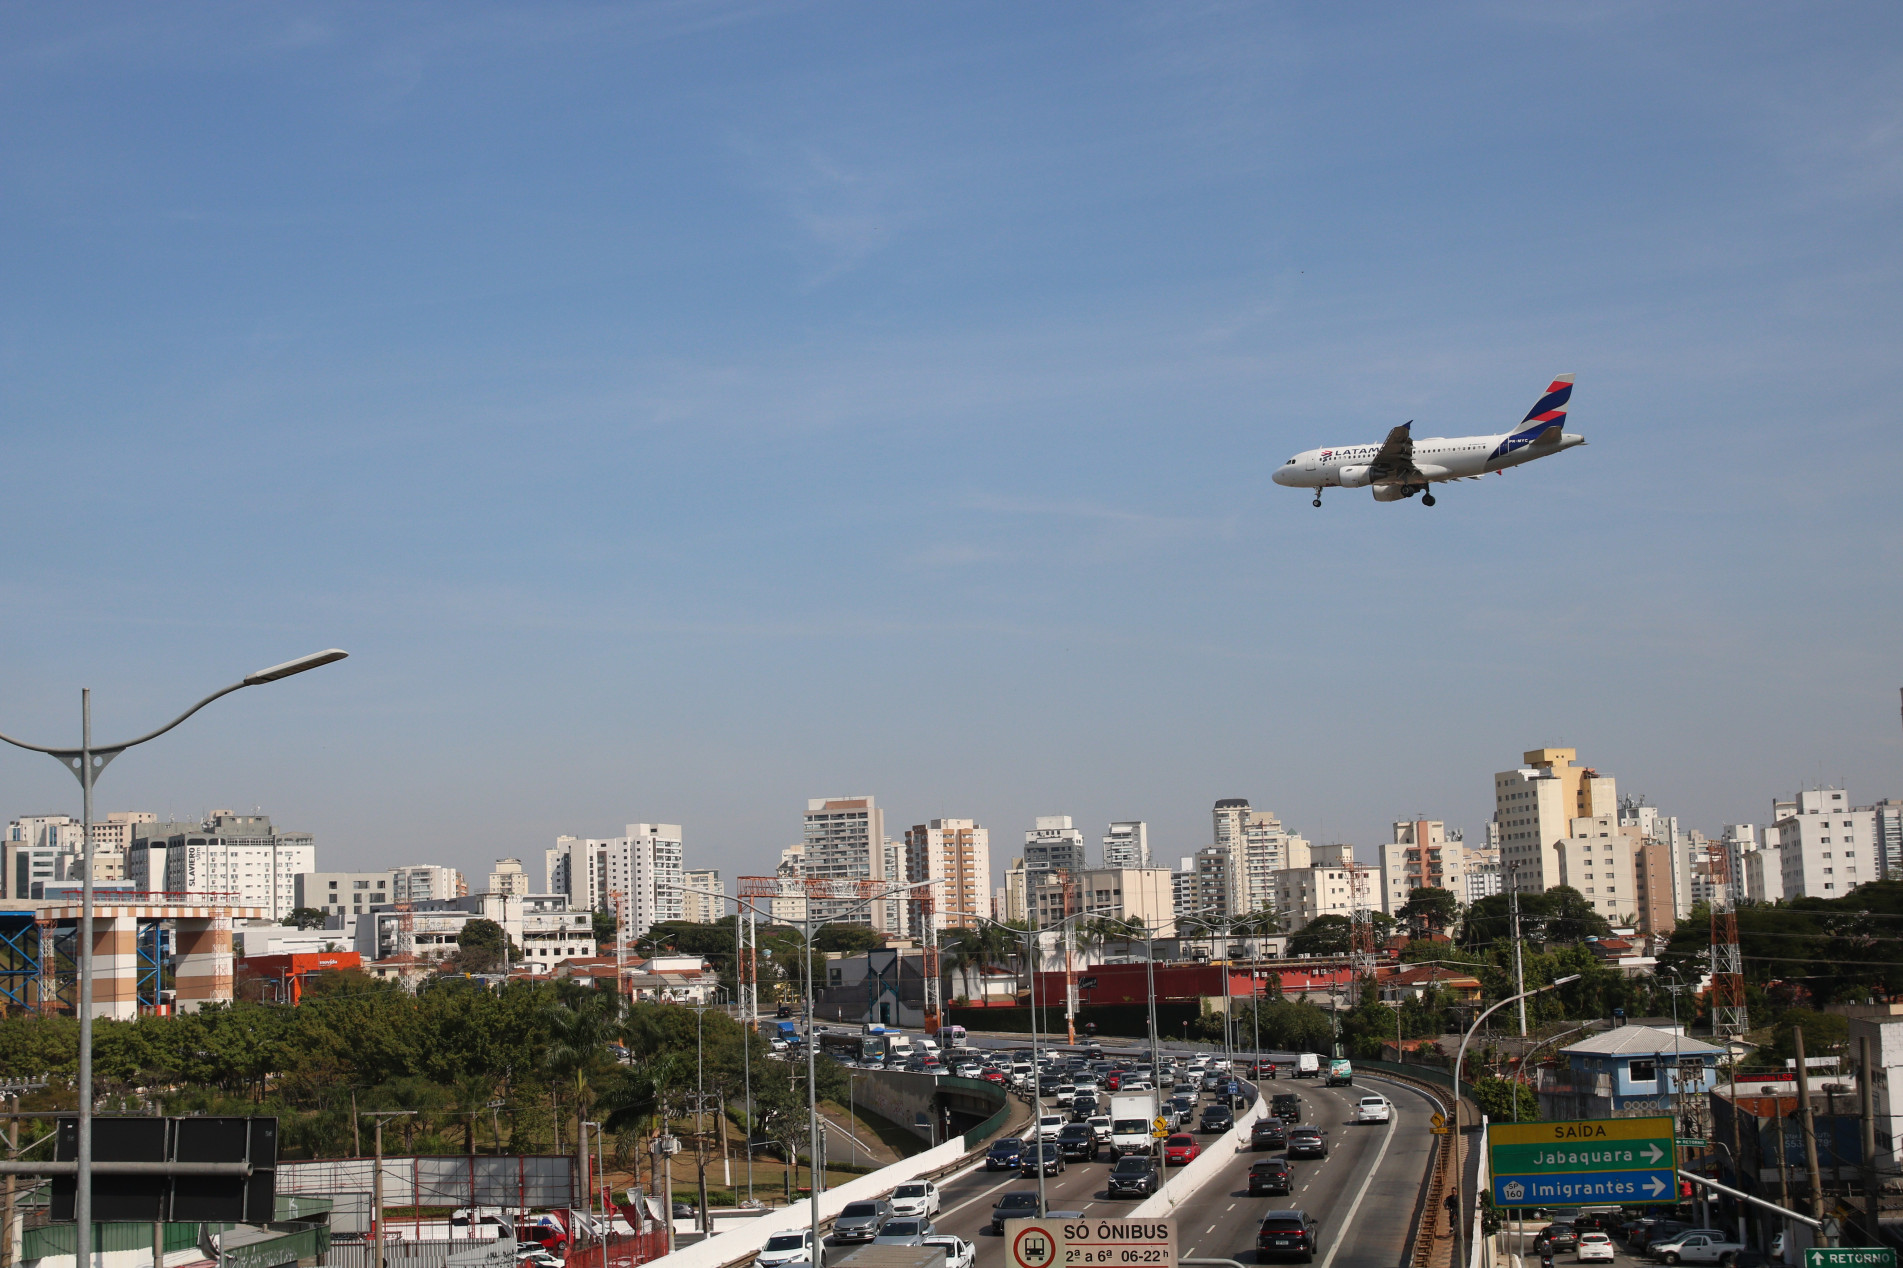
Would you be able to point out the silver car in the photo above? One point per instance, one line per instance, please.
(861, 1221)
(905, 1230)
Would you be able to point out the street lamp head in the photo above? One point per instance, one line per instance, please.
(298, 666)
(1570, 977)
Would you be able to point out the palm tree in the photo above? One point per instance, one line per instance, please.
(578, 1049)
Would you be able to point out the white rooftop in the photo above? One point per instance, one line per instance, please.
(1639, 1041)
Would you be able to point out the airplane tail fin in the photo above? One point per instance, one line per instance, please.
(1549, 412)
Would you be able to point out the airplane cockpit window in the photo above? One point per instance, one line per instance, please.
(1289, 463)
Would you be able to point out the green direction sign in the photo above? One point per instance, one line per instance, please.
(1850, 1257)
(1571, 1163)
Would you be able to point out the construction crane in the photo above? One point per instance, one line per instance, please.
(1728, 1017)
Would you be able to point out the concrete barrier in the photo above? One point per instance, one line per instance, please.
(1220, 1153)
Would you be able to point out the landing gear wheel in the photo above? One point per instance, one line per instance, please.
(1427, 499)
(1317, 501)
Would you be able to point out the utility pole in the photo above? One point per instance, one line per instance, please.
(376, 1184)
(1519, 970)
(1866, 1106)
(1809, 1122)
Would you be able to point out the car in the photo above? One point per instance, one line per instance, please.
(1077, 1142)
(1005, 1155)
(1137, 1084)
(861, 1221)
(1287, 1234)
(1271, 1175)
(909, 1230)
(785, 1248)
(1114, 1080)
(1286, 1106)
(1211, 1081)
(1134, 1174)
(1307, 1142)
(537, 1259)
(1048, 1154)
(1181, 1148)
(992, 1074)
(1560, 1235)
(1083, 1105)
(959, 1253)
(1595, 1247)
(1701, 1246)
(1049, 1125)
(1649, 1231)
(1268, 1133)
(1100, 1124)
(1019, 1204)
(1065, 1093)
(1187, 1090)
(970, 1070)
(1373, 1109)
(1217, 1118)
(915, 1197)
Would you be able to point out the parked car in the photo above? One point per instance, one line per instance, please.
(959, 1253)
(1077, 1142)
(1287, 1234)
(915, 1197)
(1271, 1175)
(1181, 1148)
(1133, 1174)
(1268, 1133)
(1307, 1142)
(786, 1248)
(907, 1230)
(1217, 1118)
(1373, 1109)
(1595, 1247)
(1019, 1205)
(861, 1221)
(1005, 1155)
(1048, 1155)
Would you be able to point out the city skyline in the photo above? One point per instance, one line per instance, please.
(669, 414)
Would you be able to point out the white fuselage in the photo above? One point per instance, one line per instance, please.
(1435, 457)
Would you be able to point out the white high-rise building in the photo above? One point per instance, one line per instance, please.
(1535, 807)
(698, 908)
(1127, 844)
(1256, 847)
(1183, 887)
(344, 893)
(894, 914)
(426, 882)
(241, 860)
(1597, 860)
(644, 868)
(843, 839)
(954, 854)
(510, 877)
(1827, 848)
(1324, 888)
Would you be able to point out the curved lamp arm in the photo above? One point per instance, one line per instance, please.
(74, 758)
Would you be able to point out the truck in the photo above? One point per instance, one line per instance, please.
(1132, 1123)
(1340, 1073)
(1703, 1246)
(1307, 1065)
(787, 1030)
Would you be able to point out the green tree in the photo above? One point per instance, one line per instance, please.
(1570, 917)
(605, 928)
(481, 946)
(1495, 1098)
(1431, 909)
(851, 939)
(305, 918)
(1324, 935)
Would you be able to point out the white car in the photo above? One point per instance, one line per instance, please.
(1595, 1247)
(959, 1253)
(1048, 1125)
(1372, 1109)
(1100, 1126)
(916, 1197)
(783, 1249)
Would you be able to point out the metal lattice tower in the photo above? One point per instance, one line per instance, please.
(756, 895)
(1361, 922)
(1727, 963)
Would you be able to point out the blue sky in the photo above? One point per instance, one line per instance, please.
(680, 410)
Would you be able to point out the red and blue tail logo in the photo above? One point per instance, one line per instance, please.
(1549, 412)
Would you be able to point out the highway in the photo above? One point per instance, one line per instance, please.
(1363, 1193)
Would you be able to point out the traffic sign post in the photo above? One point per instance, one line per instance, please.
(1088, 1243)
(1586, 1161)
(1850, 1257)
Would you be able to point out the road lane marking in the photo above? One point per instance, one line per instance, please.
(1347, 1221)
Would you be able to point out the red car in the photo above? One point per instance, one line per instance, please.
(1181, 1148)
(994, 1076)
(1113, 1079)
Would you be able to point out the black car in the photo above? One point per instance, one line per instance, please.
(1559, 1235)
(1084, 1104)
(1268, 1133)
(1005, 1155)
(1052, 1158)
(1286, 1106)
(1134, 1174)
(1217, 1118)
(1271, 1175)
(1307, 1142)
(1287, 1233)
(1013, 1206)
(1076, 1141)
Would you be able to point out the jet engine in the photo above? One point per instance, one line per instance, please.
(1356, 477)
(1393, 492)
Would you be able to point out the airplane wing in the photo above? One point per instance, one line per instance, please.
(1395, 461)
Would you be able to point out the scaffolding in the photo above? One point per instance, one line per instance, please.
(21, 950)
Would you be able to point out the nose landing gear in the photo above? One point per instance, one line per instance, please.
(1318, 500)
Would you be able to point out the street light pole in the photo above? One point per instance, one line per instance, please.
(1460, 1167)
(86, 763)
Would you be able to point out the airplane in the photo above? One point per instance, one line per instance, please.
(1401, 466)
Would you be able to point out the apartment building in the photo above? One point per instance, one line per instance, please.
(510, 877)
(1423, 854)
(1535, 806)
(1597, 860)
(1183, 887)
(698, 908)
(1327, 887)
(1483, 872)
(1127, 844)
(241, 859)
(1653, 885)
(955, 855)
(1826, 848)
(1143, 895)
(1257, 846)
(344, 893)
(426, 882)
(638, 874)
(1054, 845)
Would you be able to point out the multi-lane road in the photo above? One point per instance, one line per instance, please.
(1363, 1193)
